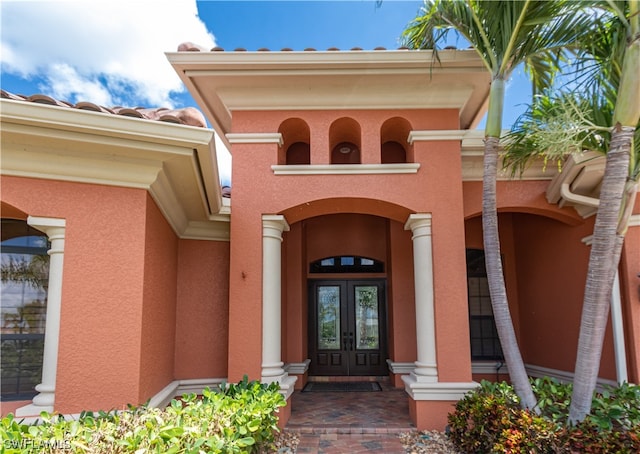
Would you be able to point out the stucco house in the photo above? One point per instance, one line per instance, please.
(351, 244)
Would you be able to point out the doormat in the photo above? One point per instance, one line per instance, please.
(341, 387)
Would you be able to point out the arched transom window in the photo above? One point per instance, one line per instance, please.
(346, 264)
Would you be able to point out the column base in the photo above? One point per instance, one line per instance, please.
(286, 382)
(300, 370)
(424, 390)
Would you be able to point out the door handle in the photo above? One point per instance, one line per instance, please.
(350, 341)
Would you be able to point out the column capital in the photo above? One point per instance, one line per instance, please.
(49, 226)
(417, 221)
(274, 221)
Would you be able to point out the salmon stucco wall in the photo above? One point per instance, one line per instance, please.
(442, 163)
(346, 234)
(257, 191)
(545, 263)
(202, 309)
(158, 329)
(554, 260)
(102, 291)
(402, 322)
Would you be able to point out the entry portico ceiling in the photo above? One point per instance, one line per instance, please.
(223, 82)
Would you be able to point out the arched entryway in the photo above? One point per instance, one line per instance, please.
(340, 301)
(345, 258)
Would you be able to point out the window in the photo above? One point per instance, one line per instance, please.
(485, 344)
(347, 264)
(25, 273)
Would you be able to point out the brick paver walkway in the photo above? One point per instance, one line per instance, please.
(350, 422)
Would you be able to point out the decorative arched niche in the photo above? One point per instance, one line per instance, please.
(394, 148)
(296, 137)
(345, 141)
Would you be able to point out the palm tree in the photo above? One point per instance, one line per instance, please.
(505, 34)
(602, 116)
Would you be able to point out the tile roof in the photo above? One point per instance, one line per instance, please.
(191, 47)
(185, 116)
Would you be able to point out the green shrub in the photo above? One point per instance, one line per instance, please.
(588, 438)
(553, 398)
(490, 420)
(240, 418)
(528, 433)
(616, 407)
(481, 417)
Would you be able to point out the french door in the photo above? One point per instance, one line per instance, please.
(347, 327)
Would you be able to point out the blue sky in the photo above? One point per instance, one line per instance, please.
(111, 52)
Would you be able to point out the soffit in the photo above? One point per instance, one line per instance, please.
(224, 82)
(175, 163)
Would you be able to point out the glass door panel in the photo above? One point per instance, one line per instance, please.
(328, 317)
(366, 315)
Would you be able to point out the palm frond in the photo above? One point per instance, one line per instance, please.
(555, 126)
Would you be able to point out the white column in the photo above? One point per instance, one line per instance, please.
(426, 368)
(272, 365)
(55, 230)
(617, 325)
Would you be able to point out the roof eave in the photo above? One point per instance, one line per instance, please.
(175, 163)
(223, 82)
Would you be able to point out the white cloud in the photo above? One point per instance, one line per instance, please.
(105, 51)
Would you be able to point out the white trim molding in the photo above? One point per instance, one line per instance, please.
(345, 169)
(254, 137)
(446, 134)
(560, 375)
(489, 367)
(178, 388)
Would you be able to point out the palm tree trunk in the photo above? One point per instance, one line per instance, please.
(495, 277)
(603, 263)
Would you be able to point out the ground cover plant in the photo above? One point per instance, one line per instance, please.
(238, 418)
(490, 419)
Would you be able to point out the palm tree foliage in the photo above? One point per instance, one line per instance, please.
(601, 113)
(558, 124)
(505, 34)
